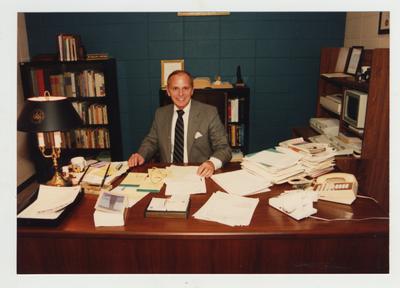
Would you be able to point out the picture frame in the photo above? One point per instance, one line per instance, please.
(169, 66)
(354, 60)
(384, 23)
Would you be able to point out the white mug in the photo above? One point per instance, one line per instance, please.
(78, 164)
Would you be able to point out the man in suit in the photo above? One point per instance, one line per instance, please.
(204, 137)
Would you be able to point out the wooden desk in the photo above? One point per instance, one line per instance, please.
(273, 243)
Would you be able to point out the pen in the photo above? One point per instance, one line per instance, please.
(105, 175)
(84, 173)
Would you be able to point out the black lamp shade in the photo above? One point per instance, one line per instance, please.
(47, 114)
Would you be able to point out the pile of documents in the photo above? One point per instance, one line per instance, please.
(273, 166)
(228, 209)
(293, 158)
(102, 174)
(110, 209)
(51, 202)
(316, 158)
(184, 180)
(177, 206)
(241, 182)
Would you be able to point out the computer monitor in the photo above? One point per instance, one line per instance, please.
(355, 107)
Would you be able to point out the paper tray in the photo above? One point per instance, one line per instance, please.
(48, 222)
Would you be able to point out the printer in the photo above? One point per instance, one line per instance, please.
(327, 126)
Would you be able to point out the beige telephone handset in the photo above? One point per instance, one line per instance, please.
(337, 187)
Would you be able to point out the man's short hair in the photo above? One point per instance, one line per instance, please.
(180, 72)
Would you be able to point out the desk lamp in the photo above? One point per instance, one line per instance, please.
(49, 114)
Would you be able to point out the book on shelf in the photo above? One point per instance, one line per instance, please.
(70, 47)
(97, 56)
(87, 83)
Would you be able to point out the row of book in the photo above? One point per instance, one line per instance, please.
(70, 47)
(236, 134)
(235, 109)
(87, 83)
(91, 113)
(91, 138)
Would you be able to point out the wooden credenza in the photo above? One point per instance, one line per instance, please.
(272, 243)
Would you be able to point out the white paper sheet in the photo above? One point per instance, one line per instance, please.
(50, 202)
(241, 182)
(228, 209)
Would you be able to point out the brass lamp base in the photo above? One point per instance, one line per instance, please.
(57, 180)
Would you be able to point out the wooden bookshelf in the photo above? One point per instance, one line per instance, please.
(91, 86)
(372, 169)
(233, 108)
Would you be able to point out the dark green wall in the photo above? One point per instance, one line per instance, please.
(278, 54)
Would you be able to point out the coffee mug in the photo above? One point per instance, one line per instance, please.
(78, 164)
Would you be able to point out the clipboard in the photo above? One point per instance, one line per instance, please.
(48, 222)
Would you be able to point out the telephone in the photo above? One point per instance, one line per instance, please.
(337, 187)
(298, 204)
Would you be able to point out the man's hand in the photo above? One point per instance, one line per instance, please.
(206, 169)
(135, 160)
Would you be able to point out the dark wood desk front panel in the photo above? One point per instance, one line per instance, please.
(273, 243)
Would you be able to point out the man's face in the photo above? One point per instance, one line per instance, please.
(180, 90)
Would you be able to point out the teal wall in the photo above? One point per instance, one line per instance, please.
(278, 54)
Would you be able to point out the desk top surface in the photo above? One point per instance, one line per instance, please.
(266, 221)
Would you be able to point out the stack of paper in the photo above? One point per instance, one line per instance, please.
(228, 209)
(316, 158)
(133, 179)
(131, 193)
(116, 169)
(110, 209)
(104, 173)
(175, 207)
(154, 181)
(51, 202)
(184, 180)
(241, 182)
(273, 165)
(175, 203)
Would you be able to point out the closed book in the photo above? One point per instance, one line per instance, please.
(99, 84)
(177, 206)
(109, 219)
(40, 82)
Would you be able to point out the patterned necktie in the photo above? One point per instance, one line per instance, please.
(178, 142)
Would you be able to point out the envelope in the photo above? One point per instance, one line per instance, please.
(198, 135)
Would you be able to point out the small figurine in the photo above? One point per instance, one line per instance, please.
(217, 81)
(239, 80)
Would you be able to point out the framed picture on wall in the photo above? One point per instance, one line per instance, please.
(167, 67)
(354, 60)
(384, 23)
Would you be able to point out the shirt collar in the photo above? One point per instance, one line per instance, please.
(186, 109)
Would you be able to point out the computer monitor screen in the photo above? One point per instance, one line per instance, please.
(355, 107)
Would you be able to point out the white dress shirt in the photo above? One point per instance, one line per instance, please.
(217, 163)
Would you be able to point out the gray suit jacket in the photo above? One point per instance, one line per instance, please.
(204, 119)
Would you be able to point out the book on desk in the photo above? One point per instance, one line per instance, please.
(175, 207)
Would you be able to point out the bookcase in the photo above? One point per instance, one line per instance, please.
(372, 168)
(233, 108)
(92, 88)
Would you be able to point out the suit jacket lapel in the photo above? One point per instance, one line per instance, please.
(194, 123)
(167, 132)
